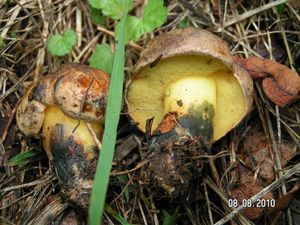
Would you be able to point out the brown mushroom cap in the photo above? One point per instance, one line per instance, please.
(201, 53)
(30, 114)
(187, 41)
(78, 90)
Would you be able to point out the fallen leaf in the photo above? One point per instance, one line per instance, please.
(245, 189)
(284, 85)
(256, 154)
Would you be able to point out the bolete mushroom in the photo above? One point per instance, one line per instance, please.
(58, 108)
(188, 83)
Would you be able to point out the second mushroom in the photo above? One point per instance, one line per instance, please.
(188, 84)
(60, 108)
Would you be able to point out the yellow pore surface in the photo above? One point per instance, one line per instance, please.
(54, 117)
(209, 79)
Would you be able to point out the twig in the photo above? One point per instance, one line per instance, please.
(33, 183)
(139, 165)
(253, 12)
(14, 87)
(110, 33)
(52, 210)
(82, 104)
(214, 171)
(189, 214)
(94, 135)
(11, 117)
(208, 204)
(142, 212)
(243, 220)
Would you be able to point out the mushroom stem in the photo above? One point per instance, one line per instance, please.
(194, 101)
(54, 117)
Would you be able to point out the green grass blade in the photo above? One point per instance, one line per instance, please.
(112, 116)
(115, 215)
(22, 157)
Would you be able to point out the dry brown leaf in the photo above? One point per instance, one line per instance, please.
(255, 154)
(282, 87)
(247, 188)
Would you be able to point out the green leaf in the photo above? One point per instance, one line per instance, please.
(1, 42)
(155, 15)
(13, 34)
(61, 45)
(167, 218)
(22, 157)
(114, 214)
(280, 9)
(102, 58)
(134, 29)
(116, 8)
(96, 4)
(97, 17)
(183, 24)
(123, 180)
(112, 117)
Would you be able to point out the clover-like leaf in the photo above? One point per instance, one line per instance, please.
(116, 8)
(102, 58)
(155, 15)
(61, 45)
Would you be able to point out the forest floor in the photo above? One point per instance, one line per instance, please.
(29, 189)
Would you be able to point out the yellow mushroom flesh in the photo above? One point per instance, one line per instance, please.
(183, 85)
(60, 127)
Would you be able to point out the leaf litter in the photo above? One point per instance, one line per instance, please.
(25, 189)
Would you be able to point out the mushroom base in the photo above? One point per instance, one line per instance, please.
(174, 165)
(74, 155)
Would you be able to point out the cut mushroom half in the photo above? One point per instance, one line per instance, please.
(188, 86)
(189, 73)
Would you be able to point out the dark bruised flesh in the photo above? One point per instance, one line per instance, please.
(175, 153)
(75, 172)
(174, 166)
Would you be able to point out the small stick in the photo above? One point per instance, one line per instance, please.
(79, 26)
(93, 133)
(110, 33)
(5, 132)
(140, 164)
(214, 171)
(82, 104)
(253, 12)
(33, 183)
(208, 204)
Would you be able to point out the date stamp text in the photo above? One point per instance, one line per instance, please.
(247, 203)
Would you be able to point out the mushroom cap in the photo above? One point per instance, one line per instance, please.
(186, 41)
(186, 46)
(78, 90)
(30, 114)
